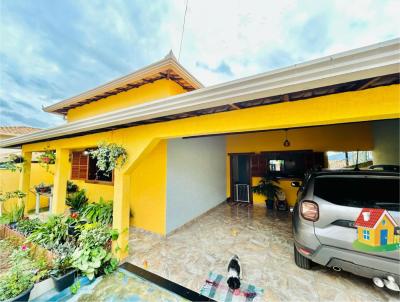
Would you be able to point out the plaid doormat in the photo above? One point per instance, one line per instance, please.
(216, 288)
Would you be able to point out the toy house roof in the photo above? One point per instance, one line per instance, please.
(375, 216)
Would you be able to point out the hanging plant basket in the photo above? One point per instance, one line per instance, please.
(47, 158)
(109, 156)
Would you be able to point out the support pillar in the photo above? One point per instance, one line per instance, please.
(60, 181)
(25, 177)
(121, 213)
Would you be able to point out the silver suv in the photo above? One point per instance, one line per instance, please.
(349, 220)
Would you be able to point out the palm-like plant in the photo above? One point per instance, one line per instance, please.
(76, 200)
(267, 187)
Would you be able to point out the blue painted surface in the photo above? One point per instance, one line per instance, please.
(53, 295)
(384, 234)
(126, 287)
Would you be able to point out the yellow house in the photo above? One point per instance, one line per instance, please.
(375, 227)
(192, 147)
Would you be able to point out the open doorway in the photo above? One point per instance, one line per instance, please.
(241, 178)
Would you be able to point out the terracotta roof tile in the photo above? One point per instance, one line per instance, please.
(17, 130)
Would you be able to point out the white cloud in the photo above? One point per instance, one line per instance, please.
(51, 50)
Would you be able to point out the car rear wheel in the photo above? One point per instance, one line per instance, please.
(300, 260)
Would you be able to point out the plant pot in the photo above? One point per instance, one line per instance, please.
(282, 206)
(24, 296)
(73, 231)
(270, 204)
(64, 281)
(19, 160)
(13, 225)
(71, 211)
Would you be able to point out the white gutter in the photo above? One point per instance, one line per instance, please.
(367, 62)
(169, 62)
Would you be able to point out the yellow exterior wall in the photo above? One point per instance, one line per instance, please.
(149, 184)
(371, 104)
(345, 137)
(148, 92)
(95, 191)
(9, 182)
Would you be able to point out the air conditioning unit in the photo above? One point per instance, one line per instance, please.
(242, 193)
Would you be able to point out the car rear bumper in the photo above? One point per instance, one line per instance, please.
(357, 263)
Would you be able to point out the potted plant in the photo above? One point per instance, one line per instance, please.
(63, 274)
(109, 157)
(73, 224)
(16, 285)
(267, 187)
(77, 200)
(93, 256)
(42, 188)
(17, 211)
(48, 157)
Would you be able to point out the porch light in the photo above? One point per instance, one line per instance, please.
(86, 152)
(286, 143)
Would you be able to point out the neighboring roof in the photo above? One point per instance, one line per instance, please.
(362, 68)
(168, 68)
(17, 130)
(375, 216)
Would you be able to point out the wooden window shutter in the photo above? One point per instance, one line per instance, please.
(258, 165)
(79, 166)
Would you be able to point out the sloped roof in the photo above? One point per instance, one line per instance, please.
(167, 68)
(375, 216)
(362, 68)
(17, 130)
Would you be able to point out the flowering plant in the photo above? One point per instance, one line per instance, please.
(48, 157)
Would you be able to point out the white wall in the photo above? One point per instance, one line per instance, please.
(386, 142)
(196, 178)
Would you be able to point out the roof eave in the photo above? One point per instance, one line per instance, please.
(373, 61)
(167, 63)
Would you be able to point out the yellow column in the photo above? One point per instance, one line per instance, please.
(25, 177)
(60, 181)
(121, 213)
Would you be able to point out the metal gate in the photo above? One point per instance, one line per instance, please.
(242, 193)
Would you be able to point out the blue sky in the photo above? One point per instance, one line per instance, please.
(51, 50)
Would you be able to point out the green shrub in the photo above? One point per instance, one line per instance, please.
(77, 200)
(71, 187)
(101, 212)
(15, 215)
(23, 273)
(28, 226)
(93, 255)
(51, 233)
(14, 283)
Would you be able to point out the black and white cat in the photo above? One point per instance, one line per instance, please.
(234, 273)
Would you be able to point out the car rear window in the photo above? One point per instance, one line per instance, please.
(360, 192)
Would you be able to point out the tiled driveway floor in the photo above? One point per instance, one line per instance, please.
(264, 244)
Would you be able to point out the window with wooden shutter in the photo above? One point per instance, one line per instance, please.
(79, 166)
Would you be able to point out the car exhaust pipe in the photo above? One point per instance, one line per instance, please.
(391, 284)
(336, 268)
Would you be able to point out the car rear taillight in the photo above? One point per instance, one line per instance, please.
(309, 210)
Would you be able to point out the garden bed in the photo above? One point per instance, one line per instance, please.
(37, 251)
